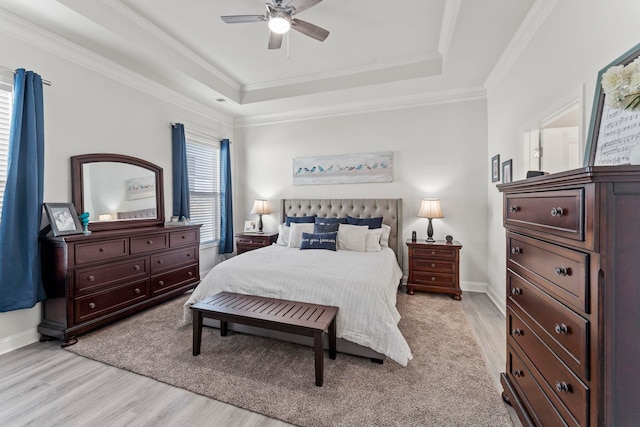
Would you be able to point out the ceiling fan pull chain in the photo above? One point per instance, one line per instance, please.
(287, 37)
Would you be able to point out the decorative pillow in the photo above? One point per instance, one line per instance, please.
(330, 220)
(352, 237)
(283, 235)
(373, 240)
(371, 222)
(319, 241)
(299, 219)
(321, 227)
(295, 235)
(384, 239)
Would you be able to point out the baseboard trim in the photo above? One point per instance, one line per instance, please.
(21, 339)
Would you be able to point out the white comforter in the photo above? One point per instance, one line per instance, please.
(362, 284)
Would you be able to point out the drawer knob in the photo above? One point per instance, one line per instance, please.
(92, 305)
(91, 278)
(557, 212)
(159, 261)
(517, 332)
(433, 252)
(561, 329)
(562, 387)
(190, 274)
(516, 250)
(561, 271)
(514, 208)
(183, 237)
(161, 283)
(517, 373)
(515, 291)
(433, 265)
(136, 267)
(149, 242)
(433, 279)
(188, 255)
(103, 250)
(136, 290)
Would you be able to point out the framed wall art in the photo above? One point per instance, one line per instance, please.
(343, 169)
(495, 168)
(507, 172)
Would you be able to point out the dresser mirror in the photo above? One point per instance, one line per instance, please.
(118, 191)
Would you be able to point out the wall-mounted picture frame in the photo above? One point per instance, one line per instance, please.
(250, 226)
(63, 218)
(614, 130)
(495, 168)
(507, 171)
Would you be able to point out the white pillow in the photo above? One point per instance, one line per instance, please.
(283, 235)
(373, 240)
(386, 232)
(295, 234)
(352, 237)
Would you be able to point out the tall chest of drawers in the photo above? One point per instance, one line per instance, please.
(573, 297)
(96, 279)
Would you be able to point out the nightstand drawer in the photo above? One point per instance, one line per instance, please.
(434, 265)
(249, 242)
(437, 279)
(434, 253)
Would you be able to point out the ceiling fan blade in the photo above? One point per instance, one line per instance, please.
(310, 30)
(240, 19)
(275, 40)
(301, 5)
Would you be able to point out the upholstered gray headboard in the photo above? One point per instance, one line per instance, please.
(389, 209)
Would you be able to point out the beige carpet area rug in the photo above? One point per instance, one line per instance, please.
(446, 384)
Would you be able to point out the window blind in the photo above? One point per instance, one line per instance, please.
(203, 159)
(6, 101)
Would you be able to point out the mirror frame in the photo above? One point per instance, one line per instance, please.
(77, 193)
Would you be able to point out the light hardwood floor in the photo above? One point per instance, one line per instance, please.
(37, 386)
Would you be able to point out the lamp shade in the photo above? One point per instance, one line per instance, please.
(260, 207)
(430, 208)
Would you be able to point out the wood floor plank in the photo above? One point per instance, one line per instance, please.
(38, 386)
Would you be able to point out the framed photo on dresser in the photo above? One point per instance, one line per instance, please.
(63, 218)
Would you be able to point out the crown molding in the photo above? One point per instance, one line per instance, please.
(536, 16)
(449, 18)
(40, 38)
(398, 103)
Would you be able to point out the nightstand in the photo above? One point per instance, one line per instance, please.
(434, 267)
(249, 241)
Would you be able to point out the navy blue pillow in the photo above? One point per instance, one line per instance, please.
(330, 220)
(319, 241)
(303, 219)
(321, 227)
(371, 222)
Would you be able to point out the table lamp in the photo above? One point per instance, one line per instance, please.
(430, 208)
(260, 207)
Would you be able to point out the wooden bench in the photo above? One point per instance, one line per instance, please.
(281, 315)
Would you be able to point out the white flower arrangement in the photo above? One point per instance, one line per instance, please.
(621, 84)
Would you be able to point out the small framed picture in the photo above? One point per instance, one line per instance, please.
(63, 218)
(507, 172)
(250, 227)
(495, 168)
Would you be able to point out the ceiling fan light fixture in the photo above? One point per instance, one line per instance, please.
(279, 23)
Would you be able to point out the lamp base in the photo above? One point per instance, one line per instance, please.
(260, 223)
(430, 232)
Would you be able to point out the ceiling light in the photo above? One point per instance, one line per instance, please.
(279, 23)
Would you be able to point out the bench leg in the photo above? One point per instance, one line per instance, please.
(223, 329)
(318, 349)
(197, 331)
(332, 339)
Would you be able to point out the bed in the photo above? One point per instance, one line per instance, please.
(362, 284)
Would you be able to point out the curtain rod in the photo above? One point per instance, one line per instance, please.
(45, 82)
(200, 133)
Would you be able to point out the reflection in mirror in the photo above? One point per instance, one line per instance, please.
(118, 191)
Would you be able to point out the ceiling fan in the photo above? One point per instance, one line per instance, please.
(279, 18)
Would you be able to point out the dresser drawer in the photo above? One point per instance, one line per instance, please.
(184, 237)
(173, 259)
(92, 279)
(434, 265)
(434, 253)
(86, 253)
(565, 385)
(558, 213)
(537, 402)
(174, 279)
(566, 332)
(105, 302)
(561, 271)
(149, 242)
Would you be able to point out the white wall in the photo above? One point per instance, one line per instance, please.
(438, 151)
(576, 40)
(87, 112)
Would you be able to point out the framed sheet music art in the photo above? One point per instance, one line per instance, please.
(614, 131)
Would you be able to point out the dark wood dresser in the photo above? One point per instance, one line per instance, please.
(249, 241)
(573, 297)
(434, 267)
(96, 279)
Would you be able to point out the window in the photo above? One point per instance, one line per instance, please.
(6, 92)
(203, 159)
